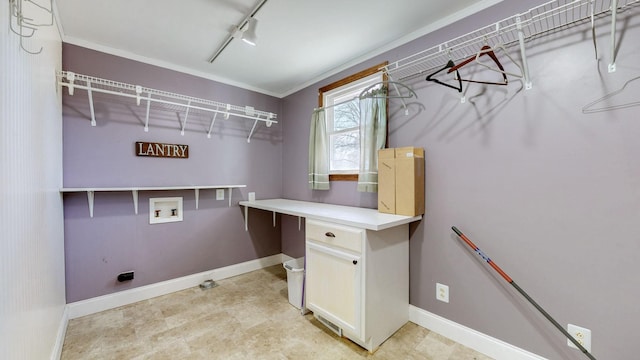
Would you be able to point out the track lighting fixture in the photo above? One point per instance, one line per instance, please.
(249, 34)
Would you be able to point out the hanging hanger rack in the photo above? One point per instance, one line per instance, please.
(26, 27)
(411, 94)
(363, 94)
(395, 85)
(92, 84)
(514, 30)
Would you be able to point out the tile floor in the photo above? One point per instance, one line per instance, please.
(244, 317)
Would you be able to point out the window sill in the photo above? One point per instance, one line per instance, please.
(343, 177)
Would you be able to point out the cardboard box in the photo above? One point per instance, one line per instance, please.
(409, 181)
(387, 181)
(401, 181)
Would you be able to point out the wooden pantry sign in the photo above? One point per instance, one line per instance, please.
(161, 150)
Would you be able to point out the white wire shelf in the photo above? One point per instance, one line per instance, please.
(514, 30)
(92, 84)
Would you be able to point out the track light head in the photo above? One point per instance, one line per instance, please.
(249, 34)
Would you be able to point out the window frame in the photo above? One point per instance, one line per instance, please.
(346, 81)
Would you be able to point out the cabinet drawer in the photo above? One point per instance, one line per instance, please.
(336, 235)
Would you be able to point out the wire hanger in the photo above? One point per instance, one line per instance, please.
(495, 48)
(365, 93)
(26, 27)
(485, 50)
(450, 64)
(587, 109)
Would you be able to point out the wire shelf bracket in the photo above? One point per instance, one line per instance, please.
(134, 192)
(141, 94)
(614, 12)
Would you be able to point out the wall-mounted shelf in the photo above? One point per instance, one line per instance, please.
(514, 30)
(134, 192)
(92, 84)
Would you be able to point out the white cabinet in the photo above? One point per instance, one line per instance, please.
(357, 266)
(340, 299)
(357, 280)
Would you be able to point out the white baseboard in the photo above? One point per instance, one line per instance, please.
(476, 340)
(286, 258)
(112, 301)
(468, 337)
(56, 353)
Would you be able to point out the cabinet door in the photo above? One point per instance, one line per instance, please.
(333, 286)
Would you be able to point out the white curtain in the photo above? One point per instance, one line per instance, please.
(318, 152)
(373, 135)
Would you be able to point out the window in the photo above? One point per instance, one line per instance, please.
(342, 112)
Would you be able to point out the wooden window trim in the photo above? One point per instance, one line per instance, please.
(343, 177)
(349, 79)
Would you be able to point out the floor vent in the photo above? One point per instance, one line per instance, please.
(333, 327)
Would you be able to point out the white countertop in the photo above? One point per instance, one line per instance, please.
(346, 215)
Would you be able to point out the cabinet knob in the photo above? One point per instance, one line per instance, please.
(329, 234)
(355, 262)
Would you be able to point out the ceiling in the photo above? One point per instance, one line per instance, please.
(299, 41)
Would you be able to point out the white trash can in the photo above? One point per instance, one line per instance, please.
(295, 281)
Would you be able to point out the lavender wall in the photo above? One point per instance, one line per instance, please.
(116, 239)
(550, 193)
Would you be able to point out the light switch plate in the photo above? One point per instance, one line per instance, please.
(219, 194)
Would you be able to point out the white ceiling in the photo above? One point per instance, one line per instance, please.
(299, 41)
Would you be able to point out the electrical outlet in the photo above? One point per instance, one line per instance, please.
(442, 292)
(219, 194)
(582, 335)
(125, 276)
